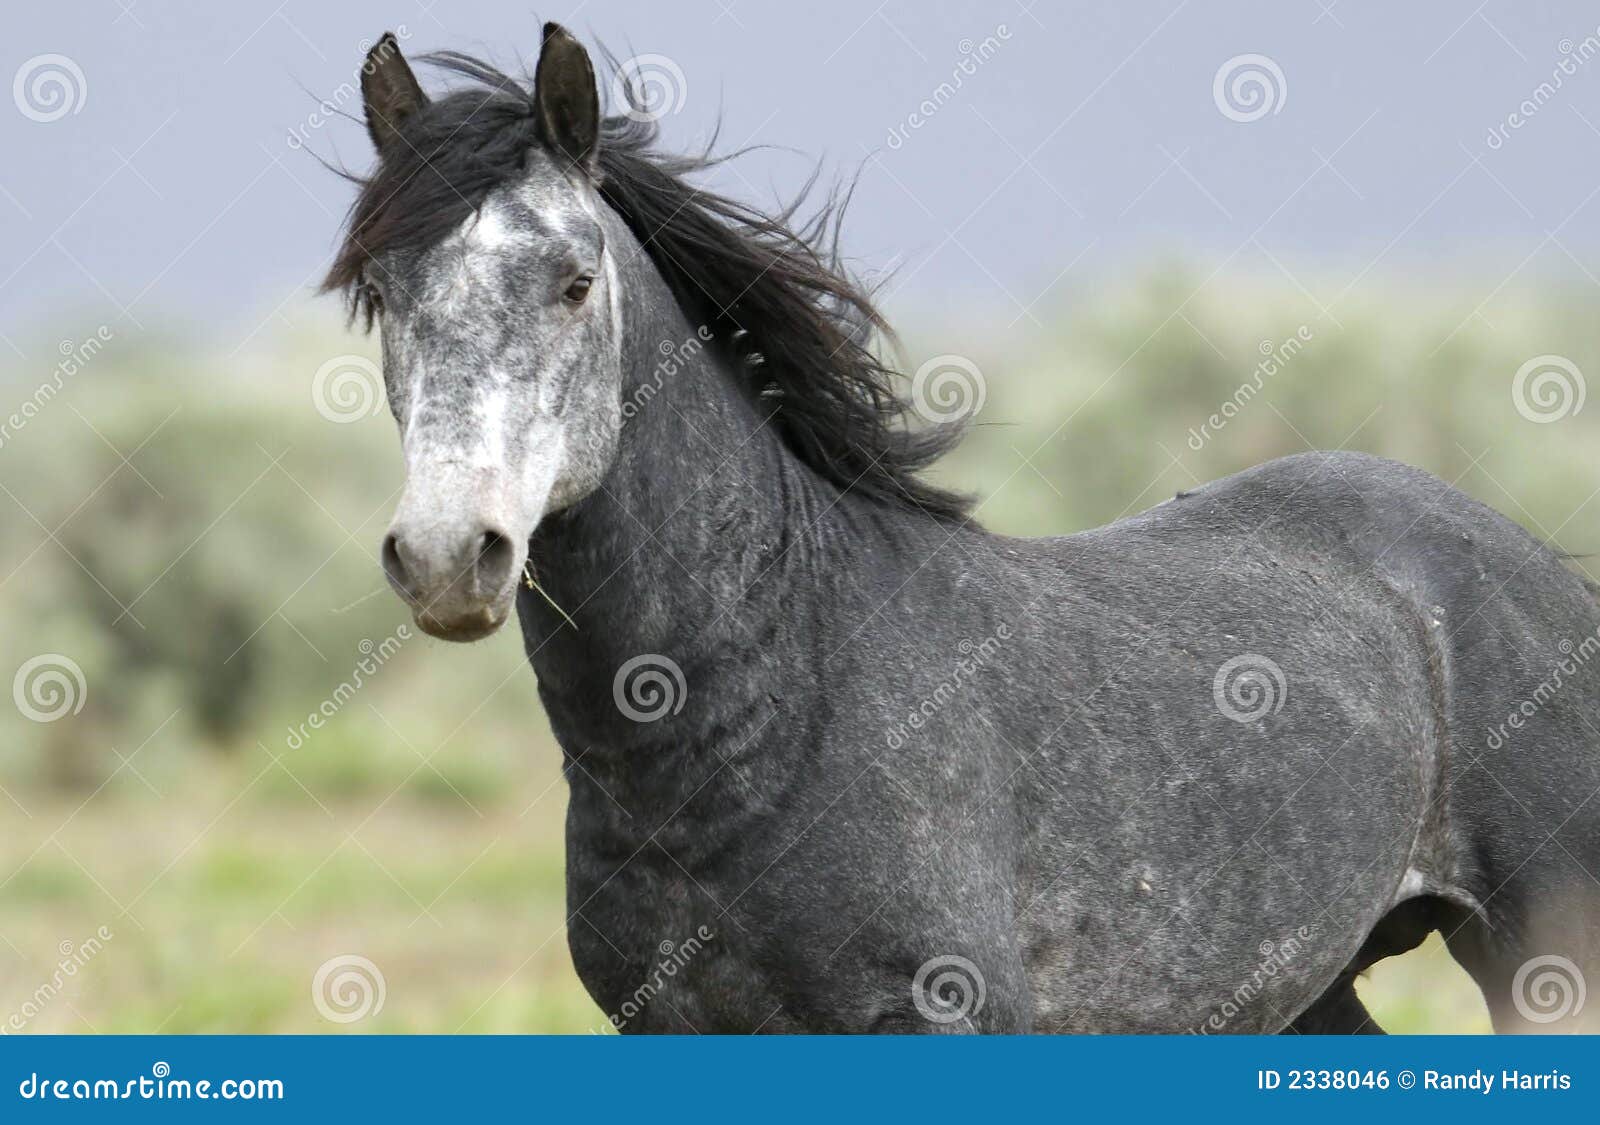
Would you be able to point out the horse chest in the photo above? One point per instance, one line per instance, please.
(655, 951)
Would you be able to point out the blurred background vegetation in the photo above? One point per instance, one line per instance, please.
(200, 541)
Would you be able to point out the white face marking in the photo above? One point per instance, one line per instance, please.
(489, 231)
(542, 467)
(482, 241)
(490, 410)
(511, 393)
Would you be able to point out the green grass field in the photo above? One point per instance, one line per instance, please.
(223, 906)
(223, 900)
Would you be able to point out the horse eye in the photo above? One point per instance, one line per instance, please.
(578, 290)
(369, 292)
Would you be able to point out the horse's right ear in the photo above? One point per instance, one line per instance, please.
(566, 101)
(389, 90)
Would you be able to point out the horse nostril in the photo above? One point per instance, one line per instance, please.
(495, 559)
(394, 566)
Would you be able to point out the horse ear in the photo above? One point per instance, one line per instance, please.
(389, 90)
(565, 98)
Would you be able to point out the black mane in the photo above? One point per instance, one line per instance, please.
(775, 295)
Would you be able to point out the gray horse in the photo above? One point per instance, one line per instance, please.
(842, 760)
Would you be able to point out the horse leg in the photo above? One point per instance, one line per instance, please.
(1338, 1011)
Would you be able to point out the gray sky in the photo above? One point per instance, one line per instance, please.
(1089, 141)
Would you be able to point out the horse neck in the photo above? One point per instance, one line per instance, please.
(677, 561)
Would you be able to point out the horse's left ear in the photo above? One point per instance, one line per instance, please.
(565, 98)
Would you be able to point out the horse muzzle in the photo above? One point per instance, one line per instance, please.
(460, 584)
